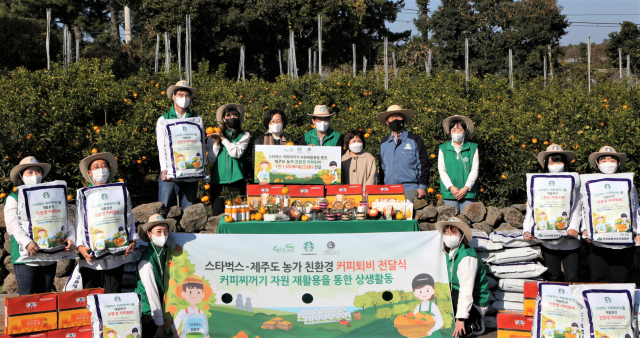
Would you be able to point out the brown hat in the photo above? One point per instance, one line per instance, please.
(86, 162)
(607, 151)
(221, 109)
(466, 120)
(395, 109)
(154, 220)
(321, 110)
(458, 223)
(555, 149)
(181, 85)
(25, 163)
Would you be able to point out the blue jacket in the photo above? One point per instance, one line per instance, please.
(404, 163)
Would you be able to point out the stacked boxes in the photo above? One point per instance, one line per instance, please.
(258, 195)
(72, 308)
(305, 193)
(72, 332)
(385, 193)
(344, 192)
(513, 324)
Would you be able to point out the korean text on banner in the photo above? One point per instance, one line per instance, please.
(607, 310)
(185, 149)
(552, 199)
(106, 226)
(316, 285)
(556, 313)
(297, 164)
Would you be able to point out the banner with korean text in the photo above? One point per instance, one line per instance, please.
(298, 164)
(317, 285)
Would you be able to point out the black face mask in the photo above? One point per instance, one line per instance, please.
(233, 122)
(396, 125)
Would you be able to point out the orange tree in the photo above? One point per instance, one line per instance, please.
(59, 117)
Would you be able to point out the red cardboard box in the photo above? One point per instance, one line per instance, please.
(378, 193)
(255, 191)
(304, 193)
(72, 332)
(352, 192)
(72, 308)
(30, 335)
(514, 321)
(32, 313)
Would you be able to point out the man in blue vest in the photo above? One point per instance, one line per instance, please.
(403, 158)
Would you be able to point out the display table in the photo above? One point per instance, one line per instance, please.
(317, 227)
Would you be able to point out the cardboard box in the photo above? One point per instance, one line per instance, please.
(351, 192)
(513, 334)
(29, 335)
(380, 193)
(32, 313)
(530, 289)
(72, 308)
(514, 321)
(72, 332)
(305, 193)
(255, 191)
(529, 307)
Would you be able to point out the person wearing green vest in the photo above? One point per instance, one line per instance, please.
(458, 163)
(35, 277)
(181, 94)
(228, 155)
(321, 134)
(467, 277)
(151, 267)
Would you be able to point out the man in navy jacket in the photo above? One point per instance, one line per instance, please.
(403, 158)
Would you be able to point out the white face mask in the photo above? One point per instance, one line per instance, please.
(356, 147)
(556, 168)
(608, 167)
(183, 102)
(100, 175)
(322, 126)
(33, 179)
(275, 128)
(457, 137)
(159, 241)
(451, 241)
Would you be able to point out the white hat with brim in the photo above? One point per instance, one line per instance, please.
(238, 107)
(553, 149)
(111, 160)
(181, 85)
(321, 111)
(395, 109)
(607, 151)
(154, 220)
(458, 223)
(466, 120)
(25, 163)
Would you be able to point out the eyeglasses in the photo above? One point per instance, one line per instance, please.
(98, 166)
(181, 95)
(607, 157)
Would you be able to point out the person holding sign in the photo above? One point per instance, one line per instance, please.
(180, 134)
(102, 209)
(553, 196)
(275, 121)
(608, 199)
(458, 163)
(151, 267)
(358, 166)
(403, 158)
(467, 277)
(321, 134)
(228, 154)
(37, 276)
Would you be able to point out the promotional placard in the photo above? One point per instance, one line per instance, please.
(552, 197)
(297, 164)
(316, 285)
(184, 149)
(556, 312)
(106, 218)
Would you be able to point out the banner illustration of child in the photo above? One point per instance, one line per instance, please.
(42, 239)
(181, 162)
(542, 221)
(98, 239)
(192, 322)
(426, 319)
(548, 331)
(622, 223)
(263, 174)
(111, 333)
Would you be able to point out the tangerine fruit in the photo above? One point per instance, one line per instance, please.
(285, 190)
(258, 216)
(205, 199)
(210, 130)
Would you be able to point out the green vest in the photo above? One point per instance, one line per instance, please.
(228, 169)
(15, 247)
(330, 139)
(480, 285)
(458, 168)
(158, 265)
(171, 114)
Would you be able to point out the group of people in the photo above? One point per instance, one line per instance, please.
(403, 160)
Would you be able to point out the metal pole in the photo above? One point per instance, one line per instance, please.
(244, 54)
(127, 25)
(511, 68)
(48, 37)
(280, 60)
(167, 52)
(64, 46)
(628, 65)
(354, 59)
(77, 51)
(544, 66)
(428, 64)
(364, 65)
(179, 51)
(315, 61)
(550, 63)
(320, 46)
(187, 49)
(395, 70)
(466, 59)
(620, 61)
(386, 65)
(293, 55)
(589, 61)
(157, 51)
(310, 61)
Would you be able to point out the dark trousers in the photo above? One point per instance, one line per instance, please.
(217, 201)
(473, 323)
(110, 280)
(35, 279)
(149, 327)
(610, 265)
(556, 260)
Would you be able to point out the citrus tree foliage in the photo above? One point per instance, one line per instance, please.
(628, 39)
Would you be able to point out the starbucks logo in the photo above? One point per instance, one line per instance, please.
(609, 150)
(607, 300)
(184, 128)
(308, 247)
(104, 196)
(184, 83)
(159, 218)
(552, 183)
(555, 148)
(33, 160)
(561, 291)
(117, 299)
(322, 110)
(452, 219)
(607, 186)
(45, 195)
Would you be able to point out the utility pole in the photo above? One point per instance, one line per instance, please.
(127, 25)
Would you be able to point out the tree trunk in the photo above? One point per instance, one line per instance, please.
(77, 33)
(115, 30)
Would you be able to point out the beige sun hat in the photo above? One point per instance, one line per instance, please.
(154, 220)
(221, 109)
(607, 150)
(466, 120)
(395, 109)
(25, 163)
(86, 162)
(181, 85)
(321, 110)
(555, 149)
(458, 223)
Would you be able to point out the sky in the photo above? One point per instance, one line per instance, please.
(600, 11)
